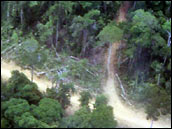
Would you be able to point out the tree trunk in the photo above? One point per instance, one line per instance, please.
(57, 35)
(123, 95)
(159, 75)
(32, 73)
(84, 42)
(151, 124)
(104, 6)
(123, 91)
(119, 60)
(51, 42)
(109, 59)
(165, 60)
(21, 16)
(158, 79)
(54, 47)
(123, 61)
(136, 81)
(131, 64)
(8, 11)
(169, 38)
(134, 5)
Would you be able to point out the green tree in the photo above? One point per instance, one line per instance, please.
(61, 93)
(19, 86)
(48, 111)
(64, 93)
(58, 13)
(4, 91)
(85, 97)
(16, 82)
(142, 34)
(102, 117)
(110, 34)
(17, 114)
(31, 55)
(15, 37)
(100, 100)
(82, 29)
(167, 27)
(30, 92)
(14, 108)
(4, 123)
(27, 120)
(152, 112)
(81, 119)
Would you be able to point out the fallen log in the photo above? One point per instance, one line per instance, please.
(124, 60)
(123, 95)
(123, 91)
(8, 49)
(75, 58)
(90, 72)
(126, 99)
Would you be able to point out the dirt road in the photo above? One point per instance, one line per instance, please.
(127, 116)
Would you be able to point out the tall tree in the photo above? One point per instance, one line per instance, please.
(30, 54)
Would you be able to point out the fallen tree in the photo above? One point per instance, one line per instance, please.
(123, 95)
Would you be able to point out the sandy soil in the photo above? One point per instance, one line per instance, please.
(43, 84)
(127, 116)
(7, 67)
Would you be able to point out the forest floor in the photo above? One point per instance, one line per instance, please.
(126, 115)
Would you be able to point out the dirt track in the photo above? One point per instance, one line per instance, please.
(126, 115)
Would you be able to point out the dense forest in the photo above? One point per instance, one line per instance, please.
(67, 42)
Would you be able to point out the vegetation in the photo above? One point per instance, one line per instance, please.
(66, 42)
(29, 108)
(100, 117)
(61, 93)
(23, 105)
(149, 57)
(85, 96)
(40, 43)
(100, 100)
(110, 34)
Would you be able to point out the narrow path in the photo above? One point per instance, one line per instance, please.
(126, 115)
(43, 84)
(7, 67)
